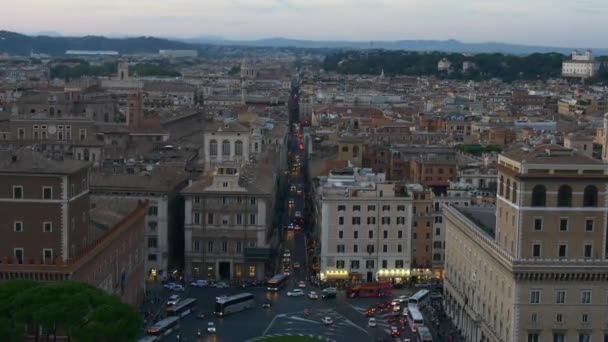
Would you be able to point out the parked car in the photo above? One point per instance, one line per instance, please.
(221, 285)
(327, 320)
(211, 328)
(301, 284)
(174, 299)
(313, 295)
(169, 285)
(199, 283)
(295, 293)
(178, 288)
(372, 322)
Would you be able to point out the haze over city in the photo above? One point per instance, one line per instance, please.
(540, 22)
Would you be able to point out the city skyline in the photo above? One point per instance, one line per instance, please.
(538, 22)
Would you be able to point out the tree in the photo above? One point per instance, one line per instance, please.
(77, 310)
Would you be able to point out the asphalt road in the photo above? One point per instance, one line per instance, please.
(286, 316)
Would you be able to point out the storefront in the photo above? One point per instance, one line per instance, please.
(422, 274)
(393, 275)
(334, 275)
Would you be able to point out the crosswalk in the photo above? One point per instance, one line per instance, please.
(381, 319)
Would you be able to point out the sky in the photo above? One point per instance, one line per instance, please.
(568, 23)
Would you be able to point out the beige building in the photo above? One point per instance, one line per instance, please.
(534, 269)
(229, 220)
(365, 227)
(227, 141)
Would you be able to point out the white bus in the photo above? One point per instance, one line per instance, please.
(183, 308)
(277, 282)
(424, 334)
(162, 326)
(227, 305)
(420, 299)
(414, 318)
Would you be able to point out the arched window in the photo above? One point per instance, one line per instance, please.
(213, 148)
(590, 196)
(539, 196)
(344, 148)
(238, 148)
(355, 151)
(508, 189)
(564, 196)
(226, 148)
(514, 193)
(501, 189)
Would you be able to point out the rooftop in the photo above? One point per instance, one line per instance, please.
(29, 161)
(550, 154)
(161, 179)
(484, 217)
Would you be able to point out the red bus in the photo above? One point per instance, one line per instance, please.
(368, 290)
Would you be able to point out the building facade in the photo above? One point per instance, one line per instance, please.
(582, 65)
(227, 141)
(365, 227)
(535, 268)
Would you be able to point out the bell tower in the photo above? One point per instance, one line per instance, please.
(123, 71)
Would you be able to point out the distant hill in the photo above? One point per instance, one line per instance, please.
(20, 44)
(409, 45)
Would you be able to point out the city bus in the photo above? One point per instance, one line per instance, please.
(227, 305)
(162, 326)
(182, 308)
(424, 334)
(420, 299)
(415, 318)
(368, 290)
(277, 282)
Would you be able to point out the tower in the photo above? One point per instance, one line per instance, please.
(135, 109)
(123, 71)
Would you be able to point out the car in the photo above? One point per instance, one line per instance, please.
(327, 320)
(287, 271)
(296, 265)
(174, 299)
(211, 327)
(422, 285)
(287, 255)
(301, 284)
(199, 283)
(397, 308)
(298, 228)
(286, 260)
(372, 322)
(169, 285)
(371, 312)
(313, 295)
(178, 288)
(295, 293)
(403, 298)
(328, 293)
(298, 214)
(221, 285)
(266, 305)
(395, 332)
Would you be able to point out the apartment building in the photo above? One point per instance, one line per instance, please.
(534, 268)
(229, 220)
(422, 230)
(365, 227)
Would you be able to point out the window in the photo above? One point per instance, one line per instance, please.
(355, 248)
(538, 224)
(356, 208)
(371, 220)
(590, 196)
(589, 225)
(196, 245)
(584, 337)
(356, 220)
(153, 210)
(356, 234)
(151, 257)
(371, 208)
(437, 231)
(239, 247)
(238, 148)
(588, 251)
(562, 250)
(536, 250)
(399, 248)
(386, 208)
(340, 220)
(252, 201)
(197, 218)
(224, 246)
(210, 246)
(559, 337)
(339, 263)
(400, 234)
(398, 263)
(400, 208)
(354, 264)
(533, 337)
(384, 264)
(414, 236)
(225, 148)
(508, 189)
(152, 242)
(535, 297)
(564, 196)
(560, 297)
(586, 297)
(585, 318)
(239, 219)
(386, 220)
(19, 255)
(400, 220)
(252, 219)
(370, 249)
(385, 234)
(533, 317)
(225, 220)
(341, 208)
(370, 234)
(369, 263)
(340, 248)
(47, 227)
(18, 192)
(251, 271)
(47, 192)
(210, 218)
(340, 234)
(384, 248)
(197, 199)
(539, 196)
(47, 255)
(501, 189)
(213, 148)
(514, 193)
(563, 225)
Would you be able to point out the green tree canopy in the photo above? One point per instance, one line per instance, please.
(78, 310)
